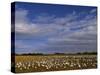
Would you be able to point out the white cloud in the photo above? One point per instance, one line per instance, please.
(21, 16)
(62, 30)
(57, 24)
(22, 24)
(93, 10)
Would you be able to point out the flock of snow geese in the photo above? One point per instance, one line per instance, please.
(48, 63)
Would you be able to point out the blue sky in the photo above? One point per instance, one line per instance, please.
(50, 28)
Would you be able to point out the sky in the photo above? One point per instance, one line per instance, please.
(54, 28)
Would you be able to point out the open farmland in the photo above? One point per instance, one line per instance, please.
(41, 63)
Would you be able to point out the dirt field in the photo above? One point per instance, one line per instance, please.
(54, 63)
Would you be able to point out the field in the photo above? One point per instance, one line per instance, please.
(40, 63)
